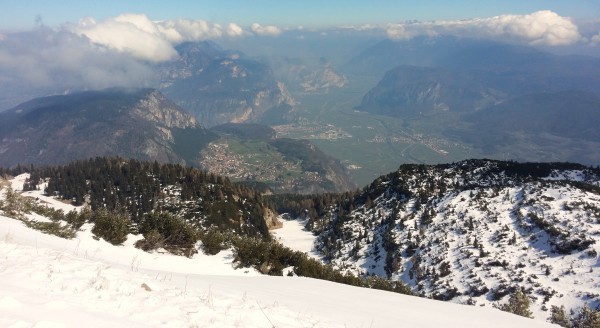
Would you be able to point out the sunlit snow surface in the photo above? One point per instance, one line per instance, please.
(51, 282)
(295, 236)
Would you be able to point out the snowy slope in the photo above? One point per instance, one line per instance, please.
(294, 235)
(52, 282)
(475, 231)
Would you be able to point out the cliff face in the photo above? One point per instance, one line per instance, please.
(154, 107)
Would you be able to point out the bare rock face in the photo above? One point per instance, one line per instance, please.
(115, 122)
(310, 75)
(158, 109)
(322, 80)
(272, 220)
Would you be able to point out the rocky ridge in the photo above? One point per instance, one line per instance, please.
(474, 231)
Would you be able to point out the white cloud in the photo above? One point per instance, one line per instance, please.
(90, 54)
(542, 27)
(268, 30)
(181, 30)
(407, 32)
(146, 39)
(133, 34)
(539, 28)
(154, 41)
(234, 30)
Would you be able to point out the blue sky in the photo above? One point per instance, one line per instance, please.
(21, 14)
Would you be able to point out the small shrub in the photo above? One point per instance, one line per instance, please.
(558, 316)
(179, 237)
(52, 228)
(213, 242)
(111, 227)
(76, 220)
(152, 240)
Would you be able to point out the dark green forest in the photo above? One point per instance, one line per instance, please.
(138, 188)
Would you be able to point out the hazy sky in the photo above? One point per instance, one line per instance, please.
(20, 14)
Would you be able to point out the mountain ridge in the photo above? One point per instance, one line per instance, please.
(407, 91)
(143, 124)
(474, 231)
(136, 123)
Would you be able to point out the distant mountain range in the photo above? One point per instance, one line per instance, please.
(145, 125)
(505, 101)
(488, 99)
(406, 91)
(567, 114)
(219, 86)
(308, 75)
(520, 69)
(471, 74)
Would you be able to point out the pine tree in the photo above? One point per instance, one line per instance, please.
(559, 317)
(12, 205)
(518, 304)
(587, 318)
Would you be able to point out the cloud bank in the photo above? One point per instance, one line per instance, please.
(235, 30)
(116, 52)
(143, 38)
(123, 51)
(46, 57)
(154, 41)
(595, 40)
(539, 28)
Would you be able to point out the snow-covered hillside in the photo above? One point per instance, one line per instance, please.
(475, 231)
(52, 282)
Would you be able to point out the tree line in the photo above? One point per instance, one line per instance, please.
(138, 188)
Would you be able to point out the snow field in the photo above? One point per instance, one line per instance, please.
(51, 282)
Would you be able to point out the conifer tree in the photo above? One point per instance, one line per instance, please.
(518, 304)
(559, 317)
(12, 205)
(586, 318)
